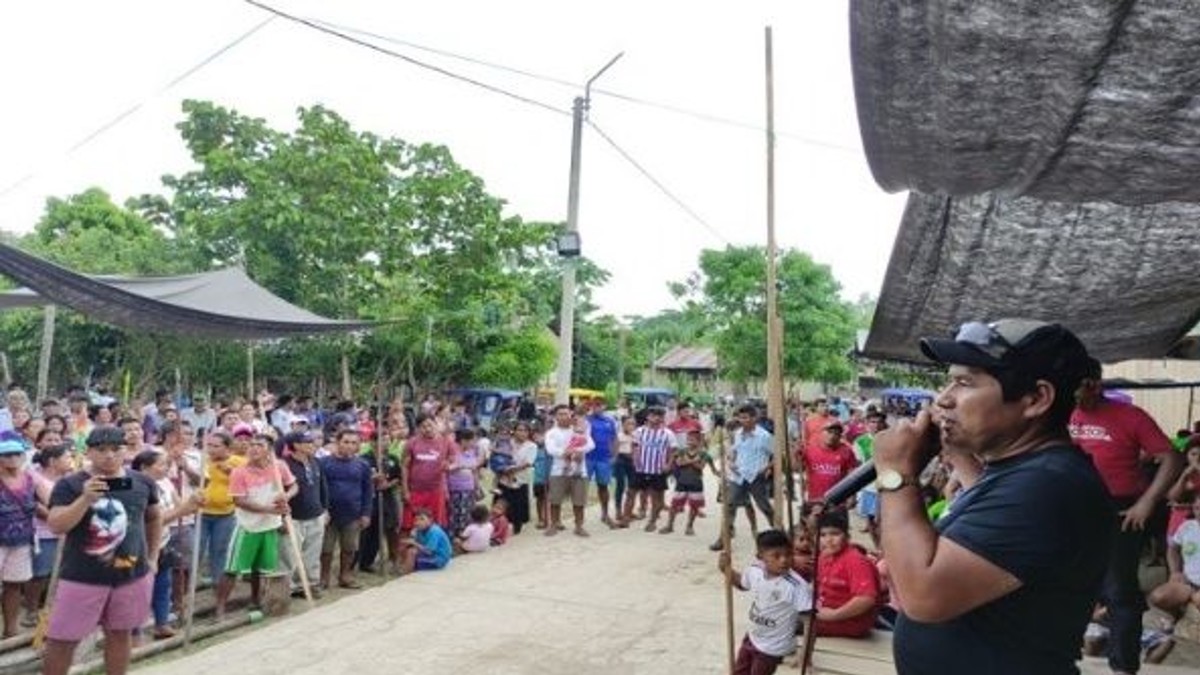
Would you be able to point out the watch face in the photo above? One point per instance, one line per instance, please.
(890, 480)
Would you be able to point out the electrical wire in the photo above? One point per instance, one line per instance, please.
(657, 183)
(703, 116)
(317, 26)
(128, 112)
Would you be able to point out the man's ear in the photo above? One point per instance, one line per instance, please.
(1039, 401)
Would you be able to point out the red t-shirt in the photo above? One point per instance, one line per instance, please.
(426, 462)
(843, 577)
(824, 466)
(1116, 435)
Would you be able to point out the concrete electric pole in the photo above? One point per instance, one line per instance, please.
(568, 243)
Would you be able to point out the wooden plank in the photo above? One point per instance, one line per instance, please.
(840, 664)
(876, 647)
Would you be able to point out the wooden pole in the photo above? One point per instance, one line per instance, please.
(726, 543)
(294, 539)
(774, 367)
(6, 369)
(43, 376)
(250, 395)
(194, 575)
(347, 389)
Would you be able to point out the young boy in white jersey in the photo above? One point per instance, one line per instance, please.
(780, 596)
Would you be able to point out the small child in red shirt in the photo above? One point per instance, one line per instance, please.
(847, 582)
(500, 525)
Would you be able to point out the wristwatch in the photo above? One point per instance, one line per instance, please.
(890, 480)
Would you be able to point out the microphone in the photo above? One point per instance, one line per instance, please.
(849, 486)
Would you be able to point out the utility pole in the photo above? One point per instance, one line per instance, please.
(566, 319)
(774, 331)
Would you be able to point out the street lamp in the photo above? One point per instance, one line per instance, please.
(568, 242)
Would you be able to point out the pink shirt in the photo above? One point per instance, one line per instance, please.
(257, 485)
(477, 538)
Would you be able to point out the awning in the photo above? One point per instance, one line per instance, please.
(221, 304)
(1052, 150)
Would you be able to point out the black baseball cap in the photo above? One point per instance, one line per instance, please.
(1024, 347)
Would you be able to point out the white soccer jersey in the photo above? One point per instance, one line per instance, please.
(775, 610)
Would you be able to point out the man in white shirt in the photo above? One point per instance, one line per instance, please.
(568, 469)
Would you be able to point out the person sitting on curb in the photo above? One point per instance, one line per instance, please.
(428, 549)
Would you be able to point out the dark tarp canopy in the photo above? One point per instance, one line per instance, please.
(221, 304)
(1053, 153)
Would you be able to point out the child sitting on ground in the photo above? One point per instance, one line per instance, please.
(429, 547)
(848, 583)
(780, 597)
(476, 537)
(500, 525)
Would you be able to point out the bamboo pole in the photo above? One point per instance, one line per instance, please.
(194, 575)
(49, 313)
(726, 543)
(774, 368)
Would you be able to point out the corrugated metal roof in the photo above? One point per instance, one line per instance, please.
(688, 358)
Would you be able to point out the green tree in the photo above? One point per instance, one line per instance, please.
(730, 290)
(353, 225)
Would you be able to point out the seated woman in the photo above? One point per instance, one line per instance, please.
(847, 582)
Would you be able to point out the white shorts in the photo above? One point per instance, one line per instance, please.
(16, 564)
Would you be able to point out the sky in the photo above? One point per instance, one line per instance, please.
(72, 67)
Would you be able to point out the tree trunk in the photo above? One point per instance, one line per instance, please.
(347, 391)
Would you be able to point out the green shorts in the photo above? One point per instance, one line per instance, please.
(253, 552)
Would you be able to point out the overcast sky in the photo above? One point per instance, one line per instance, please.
(72, 66)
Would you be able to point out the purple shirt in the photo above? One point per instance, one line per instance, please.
(462, 473)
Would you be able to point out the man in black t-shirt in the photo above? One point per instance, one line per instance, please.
(1006, 581)
(113, 529)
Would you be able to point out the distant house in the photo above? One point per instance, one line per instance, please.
(699, 365)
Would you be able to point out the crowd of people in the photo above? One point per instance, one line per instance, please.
(280, 488)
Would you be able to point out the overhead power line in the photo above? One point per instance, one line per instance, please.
(324, 28)
(657, 183)
(128, 112)
(679, 110)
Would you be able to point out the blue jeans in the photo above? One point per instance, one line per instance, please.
(160, 600)
(215, 535)
(622, 472)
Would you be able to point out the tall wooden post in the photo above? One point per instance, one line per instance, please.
(250, 394)
(43, 376)
(774, 337)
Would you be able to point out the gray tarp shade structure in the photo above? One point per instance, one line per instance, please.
(221, 304)
(1053, 152)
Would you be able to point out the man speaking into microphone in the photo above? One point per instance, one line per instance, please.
(1005, 582)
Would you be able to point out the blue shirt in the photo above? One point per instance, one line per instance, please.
(604, 433)
(541, 466)
(434, 538)
(349, 488)
(752, 453)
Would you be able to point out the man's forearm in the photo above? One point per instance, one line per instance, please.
(908, 539)
(1169, 465)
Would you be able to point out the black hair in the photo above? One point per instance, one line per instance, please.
(346, 431)
(462, 435)
(170, 427)
(769, 539)
(560, 406)
(747, 409)
(47, 455)
(144, 459)
(42, 434)
(127, 420)
(480, 513)
(833, 519)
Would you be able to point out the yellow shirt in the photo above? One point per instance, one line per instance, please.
(217, 501)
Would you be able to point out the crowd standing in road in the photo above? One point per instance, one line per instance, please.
(396, 490)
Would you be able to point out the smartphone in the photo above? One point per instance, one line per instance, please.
(119, 483)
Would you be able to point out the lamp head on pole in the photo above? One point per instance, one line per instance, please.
(568, 244)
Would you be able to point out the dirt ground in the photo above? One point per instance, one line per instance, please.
(619, 601)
